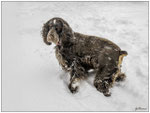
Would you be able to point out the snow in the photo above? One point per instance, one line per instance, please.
(32, 79)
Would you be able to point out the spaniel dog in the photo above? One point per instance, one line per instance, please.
(78, 53)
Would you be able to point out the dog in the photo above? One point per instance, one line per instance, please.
(78, 53)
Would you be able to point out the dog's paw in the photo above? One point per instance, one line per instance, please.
(73, 88)
(103, 87)
(121, 77)
(107, 94)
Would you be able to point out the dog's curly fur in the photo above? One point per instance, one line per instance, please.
(78, 53)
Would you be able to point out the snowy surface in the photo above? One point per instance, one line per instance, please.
(32, 79)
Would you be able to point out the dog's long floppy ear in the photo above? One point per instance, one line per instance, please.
(45, 30)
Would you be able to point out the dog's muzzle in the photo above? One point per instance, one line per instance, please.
(52, 36)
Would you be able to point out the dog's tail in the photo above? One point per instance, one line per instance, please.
(123, 53)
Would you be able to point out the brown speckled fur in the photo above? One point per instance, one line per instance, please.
(78, 53)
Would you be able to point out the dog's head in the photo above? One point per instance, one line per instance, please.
(56, 30)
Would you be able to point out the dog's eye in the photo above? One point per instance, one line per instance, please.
(58, 30)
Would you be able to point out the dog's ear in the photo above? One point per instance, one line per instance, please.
(66, 35)
(66, 30)
(45, 30)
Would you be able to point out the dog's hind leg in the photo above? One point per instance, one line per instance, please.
(103, 81)
(77, 73)
(108, 74)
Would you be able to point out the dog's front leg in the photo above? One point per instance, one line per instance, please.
(76, 75)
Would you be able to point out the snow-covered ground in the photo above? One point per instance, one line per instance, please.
(32, 79)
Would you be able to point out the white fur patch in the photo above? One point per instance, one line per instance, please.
(116, 50)
(75, 84)
(107, 47)
(91, 70)
(109, 58)
(54, 21)
(74, 37)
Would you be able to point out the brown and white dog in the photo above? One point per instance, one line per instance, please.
(78, 53)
